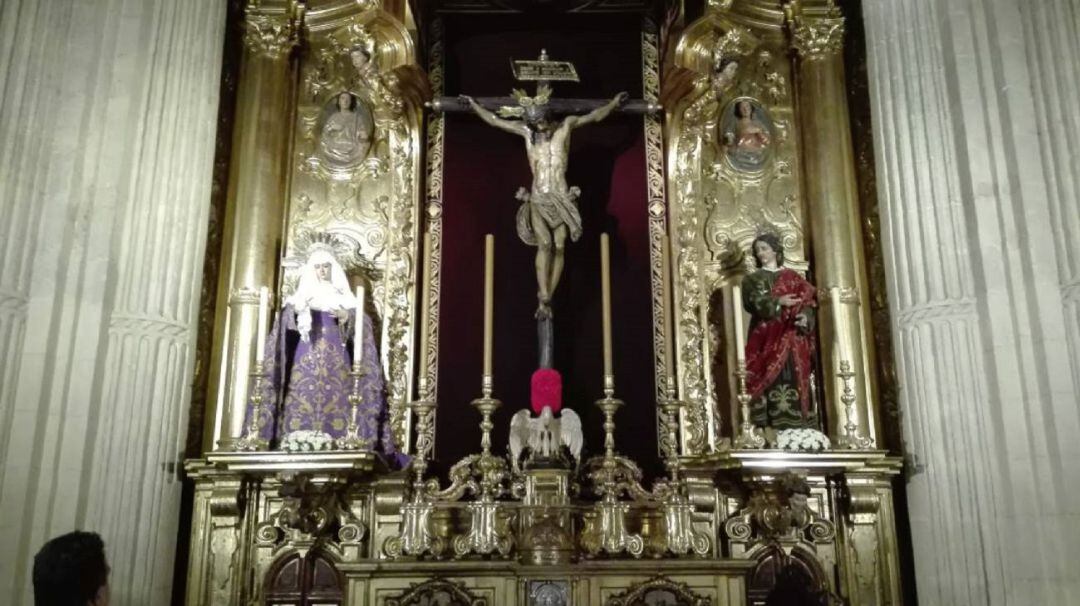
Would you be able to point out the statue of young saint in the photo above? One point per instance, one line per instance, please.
(310, 358)
(747, 139)
(549, 211)
(346, 133)
(780, 345)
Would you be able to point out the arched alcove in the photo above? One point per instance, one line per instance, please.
(304, 581)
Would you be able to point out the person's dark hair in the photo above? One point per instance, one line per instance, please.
(774, 243)
(70, 570)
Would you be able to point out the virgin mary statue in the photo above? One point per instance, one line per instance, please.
(306, 397)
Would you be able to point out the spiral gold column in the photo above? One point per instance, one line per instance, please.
(256, 202)
(835, 221)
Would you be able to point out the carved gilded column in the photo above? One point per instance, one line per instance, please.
(253, 220)
(869, 563)
(213, 572)
(835, 221)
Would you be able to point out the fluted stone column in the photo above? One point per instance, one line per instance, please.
(27, 32)
(1052, 45)
(253, 220)
(974, 204)
(835, 221)
(107, 118)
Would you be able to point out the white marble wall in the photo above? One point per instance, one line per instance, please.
(107, 119)
(976, 126)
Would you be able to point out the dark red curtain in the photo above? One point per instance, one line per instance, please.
(483, 169)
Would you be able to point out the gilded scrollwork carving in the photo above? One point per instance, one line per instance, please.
(654, 158)
(658, 590)
(733, 171)
(356, 173)
(779, 511)
(437, 591)
(311, 511)
(436, 129)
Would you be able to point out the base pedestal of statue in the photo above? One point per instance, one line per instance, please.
(591, 583)
(831, 510)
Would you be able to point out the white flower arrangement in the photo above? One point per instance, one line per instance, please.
(802, 440)
(307, 441)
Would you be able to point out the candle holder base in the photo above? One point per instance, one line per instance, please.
(679, 530)
(489, 530)
(851, 440)
(352, 439)
(606, 532)
(749, 437)
(417, 536)
(251, 441)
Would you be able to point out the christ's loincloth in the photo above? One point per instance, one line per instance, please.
(555, 209)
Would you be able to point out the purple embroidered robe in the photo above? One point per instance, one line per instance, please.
(308, 382)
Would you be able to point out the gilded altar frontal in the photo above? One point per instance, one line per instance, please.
(539, 303)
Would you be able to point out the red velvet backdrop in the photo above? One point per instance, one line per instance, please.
(483, 169)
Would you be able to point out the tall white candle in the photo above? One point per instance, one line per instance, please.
(261, 329)
(838, 322)
(358, 335)
(489, 299)
(605, 297)
(425, 302)
(737, 314)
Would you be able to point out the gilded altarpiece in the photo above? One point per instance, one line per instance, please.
(742, 135)
(365, 195)
(721, 201)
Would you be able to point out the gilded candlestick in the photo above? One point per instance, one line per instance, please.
(851, 438)
(352, 439)
(749, 436)
(251, 440)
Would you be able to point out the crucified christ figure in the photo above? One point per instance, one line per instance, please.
(549, 213)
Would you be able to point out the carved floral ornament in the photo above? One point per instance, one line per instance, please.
(269, 35)
(656, 589)
(779, 511)
(817, 37)
(311, 511)
(437, 591)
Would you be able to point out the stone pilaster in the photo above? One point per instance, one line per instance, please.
(29, 31)
(112, 108)
(133, 497)
(1052, 45)
(976, 285)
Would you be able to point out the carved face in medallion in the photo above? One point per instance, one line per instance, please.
(346, 132)
(747, 135)
(344, 101)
